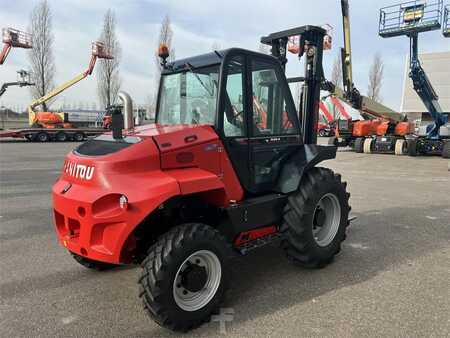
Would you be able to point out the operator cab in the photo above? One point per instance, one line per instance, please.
(245, 97)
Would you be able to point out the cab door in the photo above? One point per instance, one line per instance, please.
(233, 117)
(273, 124)
(257, 119)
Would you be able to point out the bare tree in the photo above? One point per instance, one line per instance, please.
(41, 55)
(108, 78)
(336, 73)
(165, 37)
(337, 78)
(376, 78)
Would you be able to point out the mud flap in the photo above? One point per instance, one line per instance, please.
(307, 157)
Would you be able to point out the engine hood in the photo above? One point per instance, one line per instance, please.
(174, 137)
(139, 152)
(95, 160)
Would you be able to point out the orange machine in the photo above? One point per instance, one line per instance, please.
(54, 120)
(49, 120)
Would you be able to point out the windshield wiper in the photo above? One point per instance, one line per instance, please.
(191, 69)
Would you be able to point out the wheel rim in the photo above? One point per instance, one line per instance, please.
(327, 217)
(78, 137)
(42, 137)
(202, 267)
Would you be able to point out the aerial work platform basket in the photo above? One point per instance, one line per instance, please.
(16, 38)
(410, 17)
(100, 50)
(446, 22)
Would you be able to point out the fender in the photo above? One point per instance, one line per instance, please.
(90, 222)
(307, 157)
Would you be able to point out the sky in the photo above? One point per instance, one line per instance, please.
(197, 25)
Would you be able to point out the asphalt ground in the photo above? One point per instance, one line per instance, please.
(392, 277)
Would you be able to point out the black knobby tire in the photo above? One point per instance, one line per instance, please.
(412, 147)
(61, 137)
(299, 243)
(43, 137)
(78, 137)
(91, 264)
(446, 149)
(160, 268)
(359, 145)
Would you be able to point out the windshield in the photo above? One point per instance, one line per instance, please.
(189, 97)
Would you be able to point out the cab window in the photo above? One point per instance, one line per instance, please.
(233, 114)
(271, 113)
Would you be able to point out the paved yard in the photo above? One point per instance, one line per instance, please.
(391, 279)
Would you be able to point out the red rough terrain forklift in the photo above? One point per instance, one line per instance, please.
(206, 183)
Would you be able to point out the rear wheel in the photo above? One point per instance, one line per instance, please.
(61, 137)
(400, 147)
(43, 137)
(91, 264)
(316, 219)
(446, 149)
(185, 276)
(78, 137)
(358, 145)
(412, 147)
(367, 147)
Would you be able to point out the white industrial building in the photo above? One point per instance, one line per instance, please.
(437, 67)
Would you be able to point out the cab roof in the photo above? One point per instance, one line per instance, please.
(205, 60)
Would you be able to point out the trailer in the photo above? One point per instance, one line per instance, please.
(52, 134)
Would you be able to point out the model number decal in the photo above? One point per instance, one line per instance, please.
(78, 170)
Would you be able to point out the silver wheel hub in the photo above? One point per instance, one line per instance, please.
(327, 217)
(197, 280)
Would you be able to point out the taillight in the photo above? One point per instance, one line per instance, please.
(123, 202)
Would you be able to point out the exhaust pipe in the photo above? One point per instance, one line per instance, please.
(127, 110)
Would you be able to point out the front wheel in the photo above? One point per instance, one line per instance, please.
(368, 145)
(43, 137)
(78, 137)
(412, 147)
(185, 276)
(400, 147)
(359, 144)
(316, 219)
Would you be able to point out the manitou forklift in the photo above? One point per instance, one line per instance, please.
(410, 19)
(207, 182)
